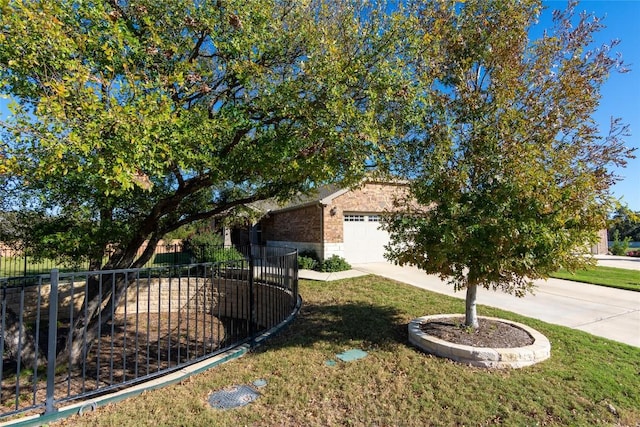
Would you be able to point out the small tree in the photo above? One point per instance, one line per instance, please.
(507, 167)
(619, 247)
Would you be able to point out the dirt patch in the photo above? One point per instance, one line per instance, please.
(129, 348)
(490, 333)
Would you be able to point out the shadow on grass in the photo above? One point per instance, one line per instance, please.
(367, 325)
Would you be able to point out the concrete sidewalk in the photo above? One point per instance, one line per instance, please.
(606, 312)
(327, 277)
(626, 262)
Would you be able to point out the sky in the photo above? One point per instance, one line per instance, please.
(620, 94)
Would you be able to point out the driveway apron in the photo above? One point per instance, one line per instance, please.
(606, 312)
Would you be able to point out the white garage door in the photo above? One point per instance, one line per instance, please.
(363, 240)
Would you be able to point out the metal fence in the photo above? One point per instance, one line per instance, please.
(14, 263)
(146, 323)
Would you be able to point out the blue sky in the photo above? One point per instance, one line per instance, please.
(620, 94)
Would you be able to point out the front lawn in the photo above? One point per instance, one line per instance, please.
(587, 381)
(17, 267)
(605, 276)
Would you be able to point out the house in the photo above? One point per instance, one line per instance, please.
(333, 221)
(602, 247)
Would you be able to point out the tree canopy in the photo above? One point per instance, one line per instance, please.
(626, 222)
(509, 171)
(133, 118)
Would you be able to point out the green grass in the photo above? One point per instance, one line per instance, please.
(14, 266)
(395, 385)
(604, 276)
(172, 258)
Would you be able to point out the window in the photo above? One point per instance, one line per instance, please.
(374, 218)
(354, 218)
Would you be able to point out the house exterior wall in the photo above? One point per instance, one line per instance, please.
(320, 228)
(602, 247)
(371, 198)
(297, 225)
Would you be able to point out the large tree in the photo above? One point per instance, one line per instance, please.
(626, 222)
(131, 119)
(509, 171)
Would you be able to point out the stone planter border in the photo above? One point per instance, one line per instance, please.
(484, 357)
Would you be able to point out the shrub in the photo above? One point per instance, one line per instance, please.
(334, 263)
(225, 254)
(308, 260)
(306, 263)
(619, 247)
(208, 247)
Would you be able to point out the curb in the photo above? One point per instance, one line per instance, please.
(484, 357)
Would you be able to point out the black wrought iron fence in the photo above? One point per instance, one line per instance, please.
(73, 335)
(18, 263)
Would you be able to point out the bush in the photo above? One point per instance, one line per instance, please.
(308, 260)
(619, 247)
(208, 247)
(334, 263)
(306, 263)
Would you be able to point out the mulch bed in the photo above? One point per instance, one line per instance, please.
(491, 333)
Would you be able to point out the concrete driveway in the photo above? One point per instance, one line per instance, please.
(606, 312)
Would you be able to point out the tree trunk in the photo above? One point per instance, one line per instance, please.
(20, 344)
(471, 315)
(98, 307)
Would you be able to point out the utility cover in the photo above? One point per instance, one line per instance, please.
(260, 383)
(233, 397)
(351, 355)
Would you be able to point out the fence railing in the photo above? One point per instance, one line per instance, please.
(74, 335)
(18, 263)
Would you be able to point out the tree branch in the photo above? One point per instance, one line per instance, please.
(219, 210)
(114, 4)
(178, 175)
(196, 49)
(236, 140)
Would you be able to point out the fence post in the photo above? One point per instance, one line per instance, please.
(51, 342)
(252, 307)
(175, 254)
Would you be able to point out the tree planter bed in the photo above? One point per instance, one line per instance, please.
(486, 357)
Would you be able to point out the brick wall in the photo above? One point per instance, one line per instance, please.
(218, 297)
(371, 198)
(297, 225)
(157, 295)
(302, 228)
(70, 297)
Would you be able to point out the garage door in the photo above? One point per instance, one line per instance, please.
(363, 240)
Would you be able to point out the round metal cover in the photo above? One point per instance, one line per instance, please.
(233, 397)
(259, 383)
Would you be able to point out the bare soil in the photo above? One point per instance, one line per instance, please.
(129, 348)
(490, 333)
